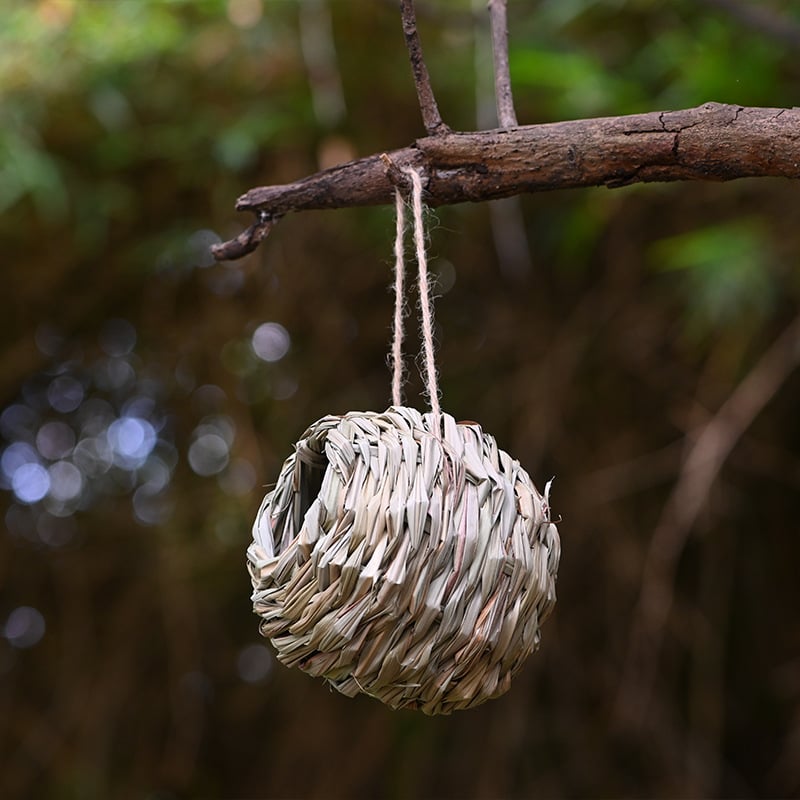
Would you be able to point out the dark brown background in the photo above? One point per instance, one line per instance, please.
(593, 332)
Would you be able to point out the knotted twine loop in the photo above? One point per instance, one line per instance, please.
(405, 555)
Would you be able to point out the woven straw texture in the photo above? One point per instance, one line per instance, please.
(412, 567)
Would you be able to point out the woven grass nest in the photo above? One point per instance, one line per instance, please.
(413, 567)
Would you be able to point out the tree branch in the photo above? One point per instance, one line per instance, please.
(713, 142)
(422, 80)
(506, 116)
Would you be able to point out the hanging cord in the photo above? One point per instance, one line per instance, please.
(425, 302)
(399, 301)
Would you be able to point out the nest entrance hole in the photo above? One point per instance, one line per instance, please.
(312, 467)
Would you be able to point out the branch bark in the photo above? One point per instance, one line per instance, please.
(712, 142)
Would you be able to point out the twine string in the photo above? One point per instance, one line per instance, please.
(425, 302)
(396, 356)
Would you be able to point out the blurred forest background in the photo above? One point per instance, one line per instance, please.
(147, 395)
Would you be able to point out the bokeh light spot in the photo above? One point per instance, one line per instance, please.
(208, 454)
(24, 627)
(199, 248)
(30, 483)
(66, 481)
(55, 440)
(15, 456)
(55, 531)
(114, 373)
(254, 663)
(118, 337)
(35, 392)
(245, 13)
(93, 456)
(220, 424)
(151, 506)
(65, 393)
(131, 439)
(94, 416)
(48, 340)
(284, 388)
(139, 406)
(18, 421)
(155, 473)
(271, 341)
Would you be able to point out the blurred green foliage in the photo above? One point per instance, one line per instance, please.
(592, 332)
(728, 269)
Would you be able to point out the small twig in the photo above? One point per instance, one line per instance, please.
(506, 115)
(394, 173)
(247, 241)
(704, 459)
(427, 102)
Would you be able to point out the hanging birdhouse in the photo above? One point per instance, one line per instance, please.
(410, 564)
